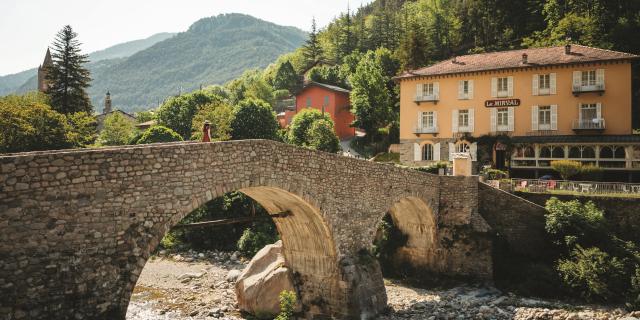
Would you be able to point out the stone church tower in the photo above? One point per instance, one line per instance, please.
(42, 69)
(107, 103)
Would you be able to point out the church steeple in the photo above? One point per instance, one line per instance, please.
(107, 103)
(42, 72)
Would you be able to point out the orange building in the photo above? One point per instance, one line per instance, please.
(528, 107)
(326, 98)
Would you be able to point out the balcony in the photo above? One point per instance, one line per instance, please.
(420, 130)
(590, 124)
(430, 98)
(598, 88)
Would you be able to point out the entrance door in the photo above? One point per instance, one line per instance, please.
(500, 157)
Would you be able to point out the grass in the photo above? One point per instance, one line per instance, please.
(387, 157)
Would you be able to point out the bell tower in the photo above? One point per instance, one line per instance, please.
(107, 103)
(42, 72)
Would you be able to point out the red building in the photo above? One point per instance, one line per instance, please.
(330, 99)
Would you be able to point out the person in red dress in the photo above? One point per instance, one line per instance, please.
(206, 132)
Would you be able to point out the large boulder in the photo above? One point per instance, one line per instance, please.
(259, 285)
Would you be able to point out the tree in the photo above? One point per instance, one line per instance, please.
(82, 129)
(566, 168)
(144, 116)
(157, 134)
(177, 113)
(254, 119)
(312, 50)
(301, 123)
(328, 75)
(287, 78)
(370, 98)
(117, 130)
(220, 115)
(67, 78)
(322, 136)
(29, 125)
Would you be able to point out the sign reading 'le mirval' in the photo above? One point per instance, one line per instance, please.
(502, 103)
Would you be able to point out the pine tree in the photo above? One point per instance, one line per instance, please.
(68, 79)
(312, 51)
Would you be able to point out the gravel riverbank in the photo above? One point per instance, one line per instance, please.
(196, 286)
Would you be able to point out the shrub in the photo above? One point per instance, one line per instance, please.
(322, 136)
(633, 299)
(254, 119)
(117, 130)
(433, 169)
(255, 238)
(495, 174)
(566, 168)
(572, 222)
(288, 302)
(591, 173)
(301, 123)
(594, 274)
(158, 134)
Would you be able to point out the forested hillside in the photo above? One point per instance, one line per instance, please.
(27, 80)
(213, 51)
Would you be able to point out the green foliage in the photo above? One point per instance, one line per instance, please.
(328, 75)
(254, 119)
(177, 113)
(387, 157)
(157, 134)
(594, 274)
(572, 222)
(117, 130)
(220, 115)
(288, 301)
(230, 205)
(312, 129)
(434, 168)
(322, 136)
(255, 238)
(67, 77)
(251, 85)
(27, 124)
(566, 168)
(312, 51)
(82, 129)
(386, 243)
(370, 97)
(144, 116)
(287, 78)
(591, 173)
(495, 174)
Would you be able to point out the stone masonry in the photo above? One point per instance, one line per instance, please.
(77, 227)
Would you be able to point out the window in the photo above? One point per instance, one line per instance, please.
(588, 112)
(503, 87)
(428, 119)
(502, 119)
(544, 81)
(326, 100)
(544, 118)
(462, 147)
(465, 87)
(588, 78)
(582, 152)
(427, 152)
(463, 118)
(612, 152)
(427, 90)
(308, 102)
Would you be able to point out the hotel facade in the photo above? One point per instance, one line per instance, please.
(522, 109)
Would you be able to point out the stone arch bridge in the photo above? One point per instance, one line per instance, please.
(77, 226)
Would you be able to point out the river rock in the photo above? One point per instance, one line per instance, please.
(258, 287)
(233, 275)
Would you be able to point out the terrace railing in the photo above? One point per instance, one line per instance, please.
(568, 187)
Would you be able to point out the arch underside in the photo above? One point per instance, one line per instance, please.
(415, 219)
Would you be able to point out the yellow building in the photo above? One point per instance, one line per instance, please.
(521, 109)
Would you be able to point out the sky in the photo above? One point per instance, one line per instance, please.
(27, 27)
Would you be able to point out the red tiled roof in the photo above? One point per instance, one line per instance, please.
(514, 59)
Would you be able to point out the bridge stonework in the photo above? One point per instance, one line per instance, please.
(77, 227)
